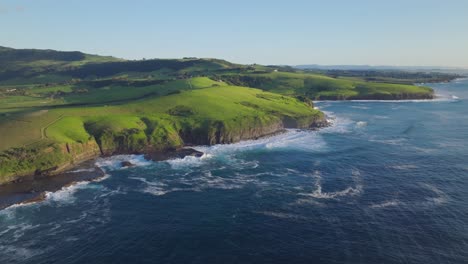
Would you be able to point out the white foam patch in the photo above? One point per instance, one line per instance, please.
(439, 199)
(296, 139)
(114, 162)
(9, 212)
(62, 196)
(189, 161)
(424, 150)
(385, 204)
(154, 188)
(66, 194)
(404, 167)
(24, 235)
(360, 107)
(82, 170)
(291, 139)
(361, 124)
(300, 140)
(460, 80)
(380, 117)
(395, 142)
(199, 182)
(349, 191)
(339, 124)
(103, 178)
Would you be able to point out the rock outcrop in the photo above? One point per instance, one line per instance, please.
(156, 143)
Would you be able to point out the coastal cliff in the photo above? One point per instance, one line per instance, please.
(153, 140)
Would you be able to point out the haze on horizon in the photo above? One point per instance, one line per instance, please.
(362, 32)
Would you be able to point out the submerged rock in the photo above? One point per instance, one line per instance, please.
(125, 164)
(174, 154)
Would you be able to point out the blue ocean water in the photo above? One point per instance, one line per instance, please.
(387, 183)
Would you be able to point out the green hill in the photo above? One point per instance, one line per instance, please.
(47, 140)
(320, 87)
(60, 108)
(76, 72)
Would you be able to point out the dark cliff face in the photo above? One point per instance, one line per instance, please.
(50, 159)
(218, 132)
(59, 157)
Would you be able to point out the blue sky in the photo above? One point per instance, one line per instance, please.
(397, 32)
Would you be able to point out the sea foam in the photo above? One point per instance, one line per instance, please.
(349, 191)
(114, 162)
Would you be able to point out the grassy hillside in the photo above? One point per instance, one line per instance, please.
(320, 87)
(217, 114)
(31, 66)
(79, 77)
(58, 108)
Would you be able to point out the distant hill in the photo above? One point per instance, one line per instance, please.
(454, 70)
(21, 66)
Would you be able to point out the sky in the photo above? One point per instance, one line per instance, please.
(293, 32)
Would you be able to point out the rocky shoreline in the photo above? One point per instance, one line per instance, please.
(34, 187)
(69, 155)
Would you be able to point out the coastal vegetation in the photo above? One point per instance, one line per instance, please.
(321, 87)
(60, 108)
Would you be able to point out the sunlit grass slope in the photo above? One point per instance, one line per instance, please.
(320, 87)
(217, 114)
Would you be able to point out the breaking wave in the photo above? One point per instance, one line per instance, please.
(292, 139)
(115, 162)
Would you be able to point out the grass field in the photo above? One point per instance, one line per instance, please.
(159, 122)
(319, 87)
(222, 103)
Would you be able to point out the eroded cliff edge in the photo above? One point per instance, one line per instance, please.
(155, 138)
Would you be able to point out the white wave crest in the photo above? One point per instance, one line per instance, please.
(339, 124)
(66, 194)
(291, 139)
(82, 170)
(115, 162)
(103, 178)
(189, 161)
(304, 140)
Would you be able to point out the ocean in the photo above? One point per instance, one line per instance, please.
(386, 183)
